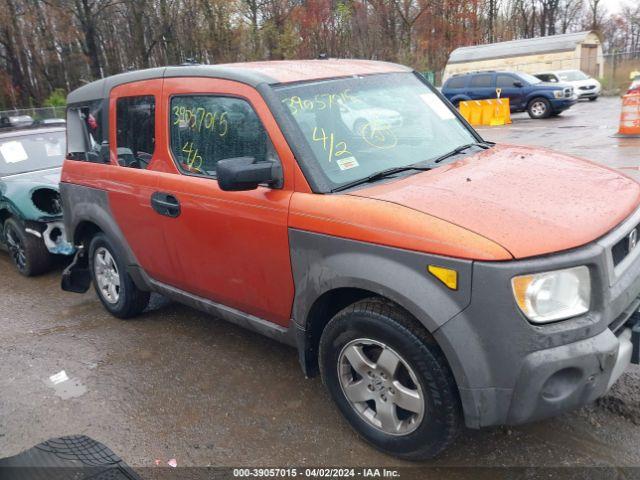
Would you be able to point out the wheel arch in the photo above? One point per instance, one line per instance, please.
(85, 231)
(5, 214)
(458, 98)
(325, 307)
(87, 212)
(535, 96)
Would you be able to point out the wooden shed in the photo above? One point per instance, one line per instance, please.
(582, 50)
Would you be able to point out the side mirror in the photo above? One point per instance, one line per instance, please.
(518, 84)
(243, 173)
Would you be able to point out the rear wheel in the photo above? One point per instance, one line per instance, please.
(539, 108)
(390, 380)
(112, 283)
(28, 252)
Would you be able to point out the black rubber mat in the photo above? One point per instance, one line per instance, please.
(69, 458)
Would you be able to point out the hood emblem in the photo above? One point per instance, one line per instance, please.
(632, 239)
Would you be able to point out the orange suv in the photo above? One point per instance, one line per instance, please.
(344, 207)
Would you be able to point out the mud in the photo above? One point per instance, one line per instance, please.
(176, 383)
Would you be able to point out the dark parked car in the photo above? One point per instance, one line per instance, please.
(31, 227)
(525, 92)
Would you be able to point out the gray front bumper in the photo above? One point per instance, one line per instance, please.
(561, 378)
(510, 371)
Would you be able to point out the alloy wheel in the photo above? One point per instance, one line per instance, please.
(539, 109)
(107, 275)
(16, 249)
(381, 386)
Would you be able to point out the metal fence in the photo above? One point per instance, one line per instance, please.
(42, 113)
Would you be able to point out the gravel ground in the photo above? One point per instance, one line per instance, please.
(176, 383)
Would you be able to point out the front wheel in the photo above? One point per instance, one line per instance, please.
(539, 108)
(390, 380)
(112, 283)
(28, 253)
(593, 99)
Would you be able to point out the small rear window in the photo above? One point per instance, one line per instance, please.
(455, 82)
(88, 130)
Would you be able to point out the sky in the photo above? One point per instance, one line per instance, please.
(614, 6)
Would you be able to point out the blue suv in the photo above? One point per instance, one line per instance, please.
(525, 92)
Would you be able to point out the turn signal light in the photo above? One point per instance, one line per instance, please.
(446, 275)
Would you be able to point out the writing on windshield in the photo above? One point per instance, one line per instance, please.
(357, 126)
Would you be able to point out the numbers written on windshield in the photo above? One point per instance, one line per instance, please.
(321, 101)
(334, 149)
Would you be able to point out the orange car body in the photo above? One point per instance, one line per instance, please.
(505, 208)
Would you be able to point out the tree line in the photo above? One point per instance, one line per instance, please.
(48, 47)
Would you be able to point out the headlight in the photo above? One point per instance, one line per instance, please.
(558, 93)
(549, 296)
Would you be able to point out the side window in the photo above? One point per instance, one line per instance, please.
(481, 81)
(87, 134)
(456, 82)
(504, 81)
(135, 130)
(206, 129)
(545, 77)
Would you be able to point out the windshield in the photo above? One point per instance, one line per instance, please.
(29, 152)
(572, 76)
(359, 126)
(530, 79)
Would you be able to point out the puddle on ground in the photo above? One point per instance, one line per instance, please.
(65, 387)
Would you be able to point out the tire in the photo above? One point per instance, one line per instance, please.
(376, 326)
(593, 99)
(112, 283)
(28, 252)
(539, 107)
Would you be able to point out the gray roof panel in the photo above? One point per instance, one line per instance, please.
(517, 48)
(250, 73)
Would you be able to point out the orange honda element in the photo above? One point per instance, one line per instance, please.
(343, 207)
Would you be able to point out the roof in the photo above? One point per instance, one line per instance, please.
(517, 48)
(251, 73)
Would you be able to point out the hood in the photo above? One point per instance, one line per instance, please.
(583, 83)
(16, 192)
(530, 201)
(552, 85)
(48, 177)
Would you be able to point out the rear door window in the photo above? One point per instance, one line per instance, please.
(480, 81)
(135, 126)
(208, 128)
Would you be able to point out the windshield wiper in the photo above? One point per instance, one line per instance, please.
(391, 171)
(379, 175)
(460, 149)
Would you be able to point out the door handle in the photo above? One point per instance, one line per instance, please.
(165, 204)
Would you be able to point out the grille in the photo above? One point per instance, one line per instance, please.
(621, 249)
(588, 87)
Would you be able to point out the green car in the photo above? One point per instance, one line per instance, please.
(31, 227)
